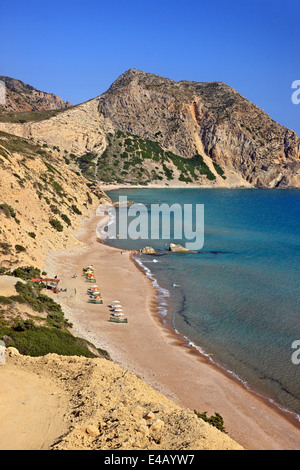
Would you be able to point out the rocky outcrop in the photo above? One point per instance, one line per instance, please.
(147, 249)
(177, 248)
(22, 97)
(77, 130)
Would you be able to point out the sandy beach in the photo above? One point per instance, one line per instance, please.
(148, 349)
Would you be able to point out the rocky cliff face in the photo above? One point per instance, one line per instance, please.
(149, 129)
(211, 119)
(22, 97)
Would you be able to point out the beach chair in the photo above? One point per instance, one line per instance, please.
(118, 320)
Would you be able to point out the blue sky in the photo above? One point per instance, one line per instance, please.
(76, 49)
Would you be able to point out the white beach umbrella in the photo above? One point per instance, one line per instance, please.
(116, 302)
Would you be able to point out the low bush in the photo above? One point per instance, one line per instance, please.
(8, 210)
(34, 340)
(5, 248)
(76, 210)
(5, 300)
(56, 224)
(66, 219)
(27, 272)
(216, 420)
(20, 248)
(30, 293)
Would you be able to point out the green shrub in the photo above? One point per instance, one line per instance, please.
(5, 300)
(23, 325)
(27, 272)
(32, 234)
(5, 248)
(216, 420)
(219, 170)
(50, 167)
(57, 187)
(19, 248)
(90, 200)
(76, 210)
(32, 340)
(8, 210)
(54, 209)
(56, 224)
(20, 299)
(66, 219)
(30, 293)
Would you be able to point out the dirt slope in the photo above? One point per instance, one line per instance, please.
(93, 404)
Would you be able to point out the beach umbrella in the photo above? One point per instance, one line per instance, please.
(116, 302)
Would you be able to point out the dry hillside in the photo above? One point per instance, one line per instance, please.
(95, 405)
(42, 201)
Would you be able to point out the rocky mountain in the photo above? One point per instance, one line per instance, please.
(22, 97)
(147, 129)
(210, 119)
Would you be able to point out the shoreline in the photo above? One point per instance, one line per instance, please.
(249, 420)
(198, 351)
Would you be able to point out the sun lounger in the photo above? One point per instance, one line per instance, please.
(118, 320)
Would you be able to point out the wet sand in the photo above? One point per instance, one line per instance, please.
(147, 348)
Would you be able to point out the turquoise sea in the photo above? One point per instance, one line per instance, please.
(237, 299)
